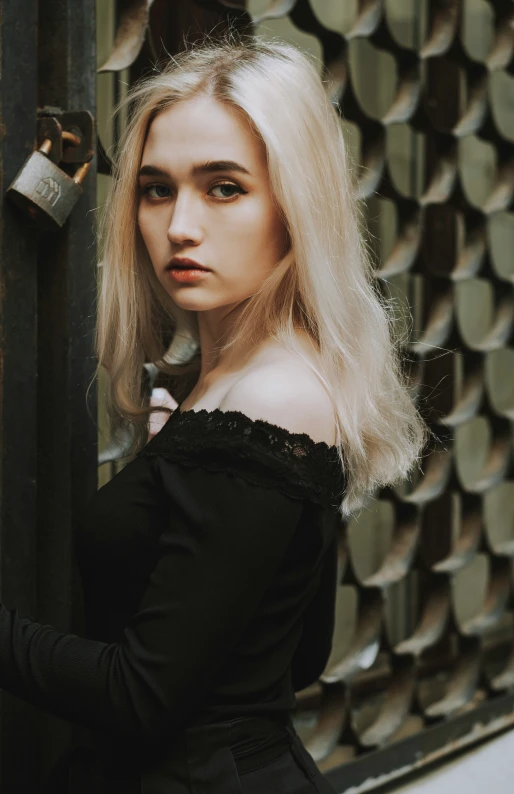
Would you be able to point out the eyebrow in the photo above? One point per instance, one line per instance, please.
(209, 167)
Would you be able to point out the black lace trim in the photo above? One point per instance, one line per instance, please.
(261, 452)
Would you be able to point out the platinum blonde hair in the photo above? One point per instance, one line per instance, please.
(323, 284)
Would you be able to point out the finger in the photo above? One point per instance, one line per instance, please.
(157, 422)
(162, 397)
(159, 418)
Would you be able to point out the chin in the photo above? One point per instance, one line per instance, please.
(185, 299)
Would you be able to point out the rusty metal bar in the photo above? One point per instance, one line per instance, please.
(371, 771)
(67, 432)
(18, 375)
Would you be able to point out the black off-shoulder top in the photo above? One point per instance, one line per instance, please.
(209, 568)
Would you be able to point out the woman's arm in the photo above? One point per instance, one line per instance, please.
(313, 650)
(226, 539)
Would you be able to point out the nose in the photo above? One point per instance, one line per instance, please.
(184, 224)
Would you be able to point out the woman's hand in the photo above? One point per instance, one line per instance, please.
(159, 418)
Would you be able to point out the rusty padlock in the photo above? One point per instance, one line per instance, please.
(44, 190)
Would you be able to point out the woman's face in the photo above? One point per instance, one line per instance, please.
(205, 196)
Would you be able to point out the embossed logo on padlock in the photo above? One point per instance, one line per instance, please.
(49, 190)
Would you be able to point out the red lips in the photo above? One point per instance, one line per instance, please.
(183, 263)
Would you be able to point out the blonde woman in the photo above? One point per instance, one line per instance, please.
(233, 262)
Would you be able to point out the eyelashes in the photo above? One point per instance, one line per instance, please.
(164, 192)
(240, 191)
(146, 191)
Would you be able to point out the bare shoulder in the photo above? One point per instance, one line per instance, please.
(287, 394)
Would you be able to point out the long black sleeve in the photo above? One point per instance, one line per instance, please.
(224, 542)
(311, 655)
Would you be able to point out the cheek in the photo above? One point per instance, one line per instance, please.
(143, 218)
(142, 222)
(148, 229)
(151, 239)
(260, 223)
(274, 232)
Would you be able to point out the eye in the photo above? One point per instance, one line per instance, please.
(156, 191)
(228, 186)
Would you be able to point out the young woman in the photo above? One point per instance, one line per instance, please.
(233, 261)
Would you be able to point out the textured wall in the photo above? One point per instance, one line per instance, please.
(424, 620)
(424, 628)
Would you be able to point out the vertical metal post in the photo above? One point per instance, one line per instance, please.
(18, 374)
(67, 268)
(48, 436)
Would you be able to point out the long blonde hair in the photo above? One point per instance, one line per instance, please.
(324, 284)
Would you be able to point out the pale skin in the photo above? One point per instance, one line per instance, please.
(225, 219)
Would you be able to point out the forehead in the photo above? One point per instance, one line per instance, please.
(203, 128)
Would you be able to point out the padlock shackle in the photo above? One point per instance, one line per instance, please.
(46, 146)
(81, 172)
(70, 137)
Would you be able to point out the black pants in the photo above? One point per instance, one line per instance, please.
(250, 755)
